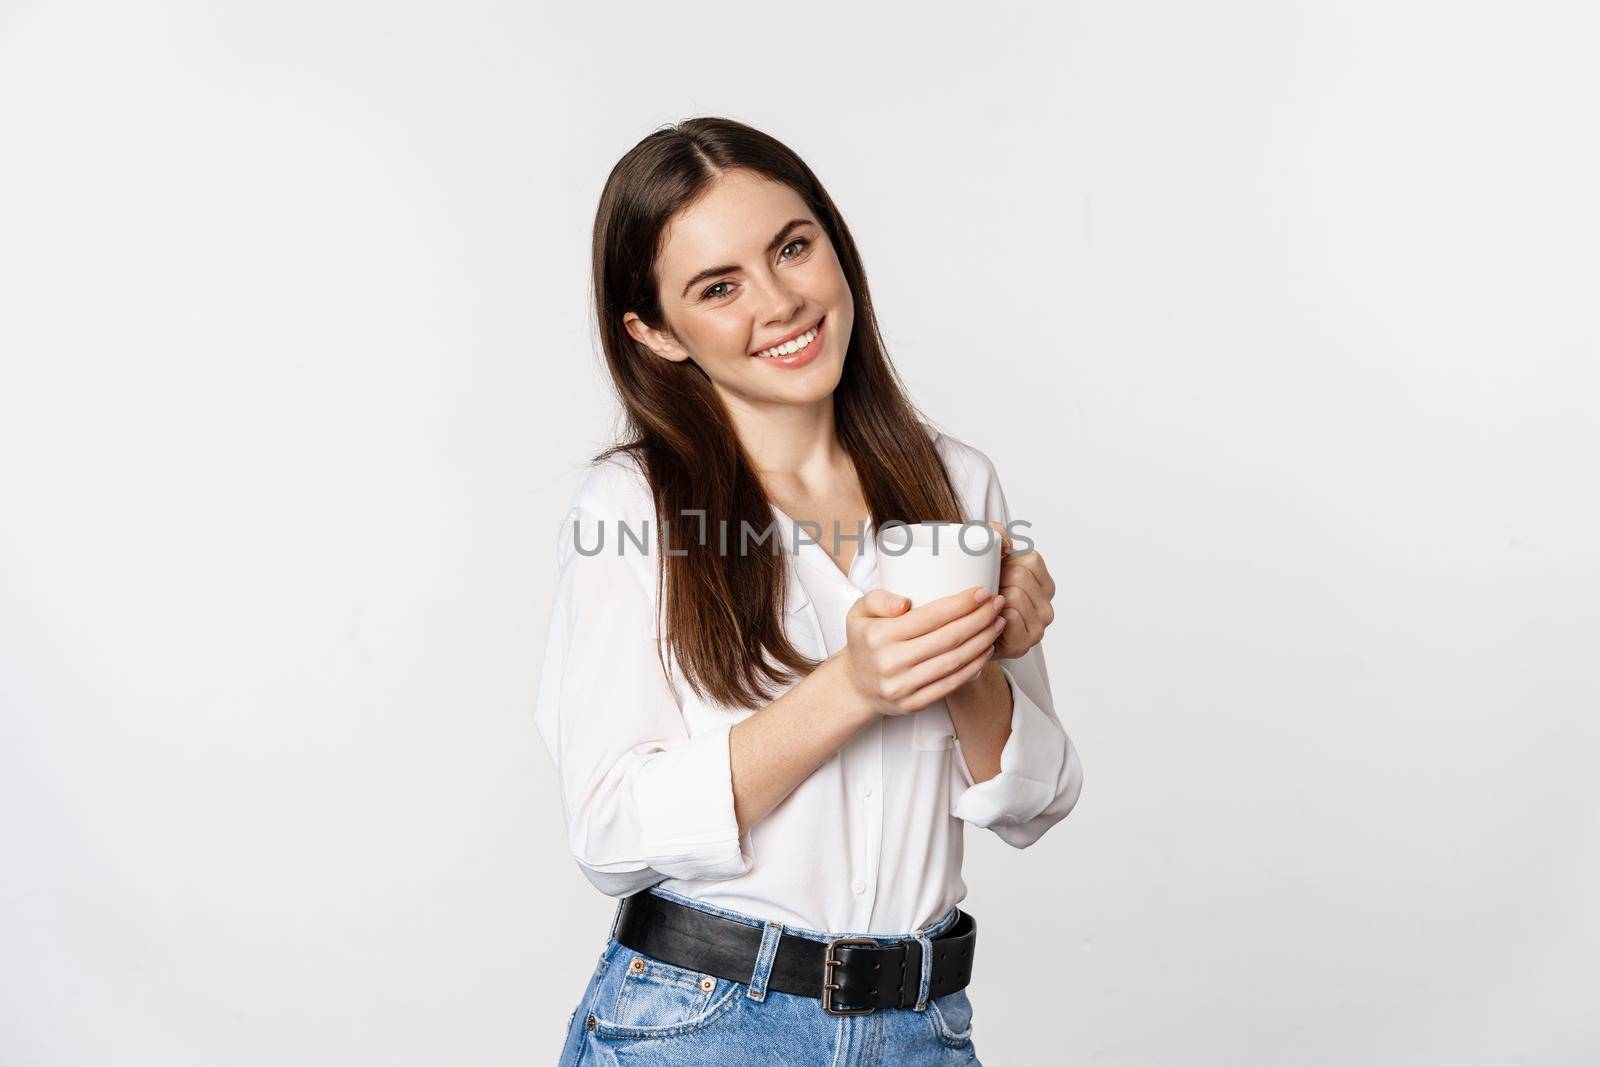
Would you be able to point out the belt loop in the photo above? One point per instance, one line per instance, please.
(616, 918)
(764, 957)
(927, 969)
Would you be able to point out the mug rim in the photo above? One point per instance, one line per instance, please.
(921, 537)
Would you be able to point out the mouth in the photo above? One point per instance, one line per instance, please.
(798, 349)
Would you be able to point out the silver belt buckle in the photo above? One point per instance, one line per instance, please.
(829, 985)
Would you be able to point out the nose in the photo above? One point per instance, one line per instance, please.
(778, 301)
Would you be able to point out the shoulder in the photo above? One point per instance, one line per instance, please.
(972, 472)
(615, 488)
(612, 516)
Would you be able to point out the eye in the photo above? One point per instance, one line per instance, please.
(711, 293)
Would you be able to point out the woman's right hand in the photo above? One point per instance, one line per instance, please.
(899, 661)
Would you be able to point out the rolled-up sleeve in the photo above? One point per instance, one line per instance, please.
(642, 799)
(1040, 775)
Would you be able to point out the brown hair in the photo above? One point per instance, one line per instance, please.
(722, 612)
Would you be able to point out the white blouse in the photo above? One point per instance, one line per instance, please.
(871, 842)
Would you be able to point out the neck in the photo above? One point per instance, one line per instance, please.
(789, 441)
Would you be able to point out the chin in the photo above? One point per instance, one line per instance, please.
(813, 387)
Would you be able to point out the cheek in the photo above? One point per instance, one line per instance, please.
(731, 338)
(838, 296)
(831, 276)
(721, 340)
(834, 272)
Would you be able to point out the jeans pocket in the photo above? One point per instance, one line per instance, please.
(951, 1018)
(656, 999)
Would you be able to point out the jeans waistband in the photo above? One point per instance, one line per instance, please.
(933, 929)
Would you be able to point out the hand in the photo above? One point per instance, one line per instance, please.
(1028, 590)
(899, 661)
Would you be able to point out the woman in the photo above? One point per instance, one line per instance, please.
(760, 750)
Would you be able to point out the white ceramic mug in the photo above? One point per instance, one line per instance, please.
(924, 561)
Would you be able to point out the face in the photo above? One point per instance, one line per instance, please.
(741, 270)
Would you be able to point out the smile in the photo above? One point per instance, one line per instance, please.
(797, 352)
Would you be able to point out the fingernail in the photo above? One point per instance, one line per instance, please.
(980, 594)
(999, 602)
(1000, 624)
(988, 652)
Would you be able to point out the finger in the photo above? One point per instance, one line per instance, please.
(1020, 633)
(1039, 599)
(878, 604)
(936, 667)
(1006, 544)
(1035, 564)
(925, 618)
(1042, 572)
(1016, 574)
(950, 683)
(1028, 601)
(950, 635)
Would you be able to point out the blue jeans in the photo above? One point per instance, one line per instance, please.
(655, 1014)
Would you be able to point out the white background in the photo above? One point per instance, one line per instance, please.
(1278, 319)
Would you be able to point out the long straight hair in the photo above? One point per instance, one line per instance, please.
(721, 609)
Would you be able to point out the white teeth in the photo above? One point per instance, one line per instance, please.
(791, 348)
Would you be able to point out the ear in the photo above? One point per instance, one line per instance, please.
(662, 344)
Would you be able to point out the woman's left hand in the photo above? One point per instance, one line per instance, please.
(1026, 584)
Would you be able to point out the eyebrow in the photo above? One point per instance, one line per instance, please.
(772, 246)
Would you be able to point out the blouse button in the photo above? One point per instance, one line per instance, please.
(866, 790)
(859, 886)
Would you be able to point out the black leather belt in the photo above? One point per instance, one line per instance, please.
(847, 970)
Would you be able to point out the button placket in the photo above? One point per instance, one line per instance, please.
(871, 808)
(865, 833)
